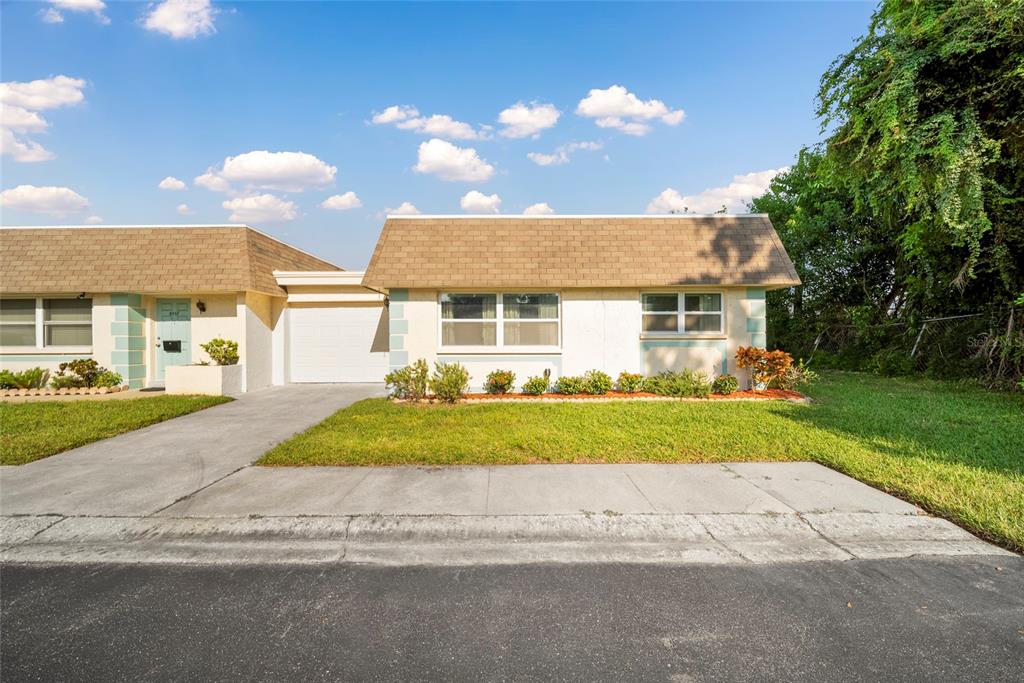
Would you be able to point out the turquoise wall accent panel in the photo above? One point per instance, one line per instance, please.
(757, 309)
(129, 336)
(399, 326)
(397, 342)
(398, 295)
(399, 359)
(756, 325)
(759, 340)
(755, 292)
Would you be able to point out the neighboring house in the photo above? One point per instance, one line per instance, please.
(138, 299)
(571, 293)
(529, 294)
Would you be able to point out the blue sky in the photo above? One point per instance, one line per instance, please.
(181, 88)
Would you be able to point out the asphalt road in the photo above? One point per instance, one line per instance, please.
(916, 619)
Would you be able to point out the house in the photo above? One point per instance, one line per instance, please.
(570, 293)
(525, 293)
(140, 299)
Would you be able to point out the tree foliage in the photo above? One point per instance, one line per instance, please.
(913, 205)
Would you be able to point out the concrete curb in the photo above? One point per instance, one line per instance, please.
(446, 540)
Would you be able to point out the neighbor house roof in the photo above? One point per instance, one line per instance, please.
(579, 251)
(142, 259)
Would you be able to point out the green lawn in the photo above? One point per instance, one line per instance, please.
(957, 451)
(30, 431)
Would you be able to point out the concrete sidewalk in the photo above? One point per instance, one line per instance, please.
(735, 513)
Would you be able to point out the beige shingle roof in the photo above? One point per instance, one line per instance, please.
(614, 251)
(146, 259)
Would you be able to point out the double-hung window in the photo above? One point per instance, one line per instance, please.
(39, 323)
(682, 313)
(511, 319)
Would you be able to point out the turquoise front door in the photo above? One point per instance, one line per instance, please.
(173, 334)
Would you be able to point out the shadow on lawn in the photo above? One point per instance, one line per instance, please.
(917, 419)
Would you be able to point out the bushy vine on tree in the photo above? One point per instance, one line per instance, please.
(913, 205)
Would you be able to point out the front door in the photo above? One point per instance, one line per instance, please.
(173, 334)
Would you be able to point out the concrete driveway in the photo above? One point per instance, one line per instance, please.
(142, 472)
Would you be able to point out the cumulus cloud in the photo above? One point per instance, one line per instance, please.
(616, 107)
(478, 202)
(182, 19)
(452, 163)
(20, 104)
(94, 220)
(562, 153)
(284, 171)
(184, 209)
(734, 197)
(342, 202)
(259, 208)
(55, 201)
(403, 209)
(527, 120)
(539, 209)
(407, 117)
(171, 183)
(95, 7)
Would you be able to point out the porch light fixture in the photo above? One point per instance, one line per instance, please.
(201, 306)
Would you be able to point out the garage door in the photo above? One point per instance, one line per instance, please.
(338, 343)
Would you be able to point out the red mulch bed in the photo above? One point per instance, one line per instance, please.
(766, 394)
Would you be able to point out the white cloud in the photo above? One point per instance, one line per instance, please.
(211, 181)
(259, 208)
(403, 209)
(56, 201)
(181, 19)
(407, 117)
(539, 209)
(616, 107)
(51, 16)
(20, 104)
(478, 202)
(94, 220)
(561, 154)
(452, 163)
(734, 196)
(171, 183)
(342, 202)
(184, 209)
(528, 120)
(96, 7)
(285, 171)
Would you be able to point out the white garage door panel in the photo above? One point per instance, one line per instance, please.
(333, 344)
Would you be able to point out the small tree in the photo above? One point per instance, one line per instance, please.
(221, 351)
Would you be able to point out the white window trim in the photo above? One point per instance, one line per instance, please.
(499, 321)
(680, 314)
(40, 347)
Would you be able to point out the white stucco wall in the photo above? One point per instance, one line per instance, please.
(600, 330)
(257, 312)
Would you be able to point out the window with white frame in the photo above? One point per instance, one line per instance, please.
(517, 319)
(682, 312)
(39, 322)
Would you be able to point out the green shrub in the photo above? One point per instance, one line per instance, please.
(108, 378)
(409, 382)
(725, 384)
(892, 363)
(84, 372)
(597, 383)
(570, 385)
(221, 351)
(797, 375)
(449, 381)
(535, 386)
(687, 383)
(32, 378)
(630, 382)
(500, 382)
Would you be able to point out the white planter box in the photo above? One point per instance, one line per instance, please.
(212, 380)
